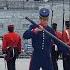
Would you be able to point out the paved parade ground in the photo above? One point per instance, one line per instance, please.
(23, 64)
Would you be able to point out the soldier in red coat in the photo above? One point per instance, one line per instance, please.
(66, 39)
(55, 50)
(11, 47)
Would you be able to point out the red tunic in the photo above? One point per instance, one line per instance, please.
(11, 39)
(58, 34)
(66, 37)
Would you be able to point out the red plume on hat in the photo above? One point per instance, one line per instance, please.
(11, 28)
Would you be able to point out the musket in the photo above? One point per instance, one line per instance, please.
(64, 47)
(52, 13)
(63, 19)
(69, 11)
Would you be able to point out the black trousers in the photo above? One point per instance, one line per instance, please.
(66, 62)
(54, 55)
(10, 59)
(54, 61)
(11, 64)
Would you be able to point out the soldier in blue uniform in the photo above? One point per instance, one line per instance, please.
(41, 42)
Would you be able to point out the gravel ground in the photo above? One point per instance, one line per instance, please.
(23, 64)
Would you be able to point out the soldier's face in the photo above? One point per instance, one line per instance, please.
(44, 21)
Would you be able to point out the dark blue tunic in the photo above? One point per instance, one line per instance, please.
(42, 43)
